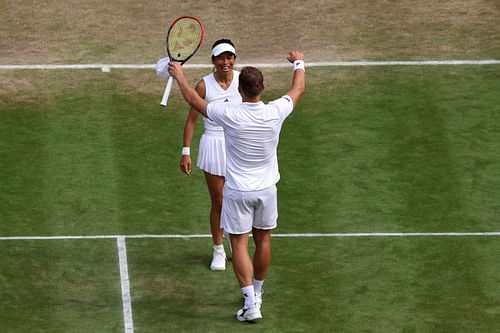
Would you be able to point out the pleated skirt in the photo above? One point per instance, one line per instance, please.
(212, 153)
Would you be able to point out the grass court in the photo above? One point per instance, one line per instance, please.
(375, 149)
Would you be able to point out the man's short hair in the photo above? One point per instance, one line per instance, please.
(251, 81)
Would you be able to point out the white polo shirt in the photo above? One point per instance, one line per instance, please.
(251, 132)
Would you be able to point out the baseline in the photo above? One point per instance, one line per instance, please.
(289, 235)
(107, 67)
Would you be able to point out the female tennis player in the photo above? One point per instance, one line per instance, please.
(221, 85)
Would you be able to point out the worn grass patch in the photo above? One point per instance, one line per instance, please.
(133, 32)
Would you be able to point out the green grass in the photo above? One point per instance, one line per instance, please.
(397, 149)
(315, 285)
(386, 149)
(318, 285)
(60, 286)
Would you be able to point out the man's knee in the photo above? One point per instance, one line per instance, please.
(261, 236)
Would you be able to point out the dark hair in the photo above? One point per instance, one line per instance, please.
(223, 41)
(251, 81)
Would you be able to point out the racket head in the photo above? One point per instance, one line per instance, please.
(184, 38)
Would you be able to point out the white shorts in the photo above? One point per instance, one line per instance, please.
(244, 210)
(212, 153)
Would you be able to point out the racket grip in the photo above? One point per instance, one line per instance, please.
(166, 93)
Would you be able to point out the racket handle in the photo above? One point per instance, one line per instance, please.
(166, 93)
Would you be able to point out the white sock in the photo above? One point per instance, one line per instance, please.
(249, 295)
(219, 247)
(257, 286)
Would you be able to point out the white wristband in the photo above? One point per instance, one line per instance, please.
(299, 64)
(186, 151)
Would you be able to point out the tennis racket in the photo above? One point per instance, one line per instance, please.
(184, 38)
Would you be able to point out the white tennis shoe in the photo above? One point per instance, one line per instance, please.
(248, 314)
(258, 299)
(218, 260)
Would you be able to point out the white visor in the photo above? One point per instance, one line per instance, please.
(221, 48)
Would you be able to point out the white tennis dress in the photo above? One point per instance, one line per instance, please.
(212, 149)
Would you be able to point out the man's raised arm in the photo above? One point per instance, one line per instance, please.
(298, 80)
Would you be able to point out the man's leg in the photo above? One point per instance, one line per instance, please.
(242, 264)
(243, 269)
(234, 206)
(262, 256)
(261, 261)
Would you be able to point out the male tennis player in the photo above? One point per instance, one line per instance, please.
(251, 131)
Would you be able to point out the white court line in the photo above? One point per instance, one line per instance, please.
(393, 234)
(108, 67)
(125, 283)
(291, 235)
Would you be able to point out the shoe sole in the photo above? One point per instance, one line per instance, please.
(250, 318)
(217, 268)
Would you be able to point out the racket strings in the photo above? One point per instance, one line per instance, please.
(184, 38)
